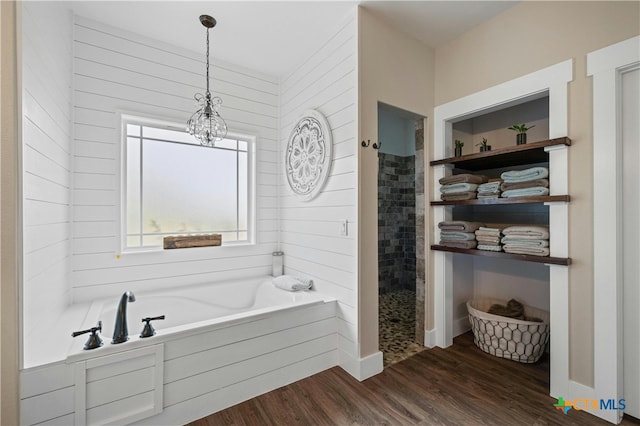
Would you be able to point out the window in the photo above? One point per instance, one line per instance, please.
(174, 186)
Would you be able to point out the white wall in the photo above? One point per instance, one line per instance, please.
(310, 231)
(119, 71)
(46, 162)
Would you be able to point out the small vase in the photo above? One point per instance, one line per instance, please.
(458, 151)
(521, 138)
(485, 148)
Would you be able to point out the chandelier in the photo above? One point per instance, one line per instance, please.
(206, 124)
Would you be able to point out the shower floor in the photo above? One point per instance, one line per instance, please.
(397, 325)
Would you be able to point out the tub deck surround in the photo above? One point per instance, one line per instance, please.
(262, 338)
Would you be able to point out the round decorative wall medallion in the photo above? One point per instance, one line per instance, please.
(308, 156)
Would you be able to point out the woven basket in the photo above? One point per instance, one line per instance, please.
(518, 340)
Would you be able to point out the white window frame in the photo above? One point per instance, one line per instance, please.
(172, 124)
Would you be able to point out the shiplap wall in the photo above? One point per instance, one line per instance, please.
(46, 162)
(310, 231)
(117, 71)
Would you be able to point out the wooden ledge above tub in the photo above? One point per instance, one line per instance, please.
(187, 241)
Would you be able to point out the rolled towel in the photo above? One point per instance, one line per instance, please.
(458, 187)
(520, 242)
(533, 251)
(462, 178)
(520, 185)
(513, 176)
(528, 232)
(536, 191)
(457, 236)
(459, 225)
(489, 247)
(458, 196)
(291, 283)
(459, 244)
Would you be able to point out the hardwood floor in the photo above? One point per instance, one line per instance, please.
(460, 385)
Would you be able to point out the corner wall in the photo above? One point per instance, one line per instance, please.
(46, 162)
(310, 232)
(397, 70)
(549, 33)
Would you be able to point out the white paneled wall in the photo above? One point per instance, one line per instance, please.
(46, 162)
(116, 71)
(310, 231)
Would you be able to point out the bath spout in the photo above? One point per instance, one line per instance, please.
(121, 331)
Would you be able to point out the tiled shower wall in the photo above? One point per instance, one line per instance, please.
(396, 223)
(420, 232)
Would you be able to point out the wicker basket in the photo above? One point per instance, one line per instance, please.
(518, 340)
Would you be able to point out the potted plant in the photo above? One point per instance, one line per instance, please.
(458, 147)
(521, 137)
(483, 145)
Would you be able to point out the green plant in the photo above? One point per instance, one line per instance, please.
(520, 128)
(483, 143)
(458, 143)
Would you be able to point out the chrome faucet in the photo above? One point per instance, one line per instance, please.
(120, 331)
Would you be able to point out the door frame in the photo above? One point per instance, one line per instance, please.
(606, 66)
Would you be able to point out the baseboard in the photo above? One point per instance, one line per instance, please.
(430, 338)
(361, 368)
(461, 325)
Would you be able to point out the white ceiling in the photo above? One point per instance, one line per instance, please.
(275, 36)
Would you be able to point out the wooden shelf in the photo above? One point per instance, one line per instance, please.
(498, 201)
(502, 255)
(505, 157)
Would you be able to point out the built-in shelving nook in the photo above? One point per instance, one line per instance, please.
(538, 99)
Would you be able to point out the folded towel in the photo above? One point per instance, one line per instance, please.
(457, 236)
(534, 251)
(458, 187)
(522, 242)
(486, 196)
(489, 247)
(291, 283)
(490, 186)
(459, 225)
(533, 173)
(519, 185)
(529, 232)
(458, 196)
(536, 191)
(459, 244)
(490, 232)
(462, 178)
(487, 240)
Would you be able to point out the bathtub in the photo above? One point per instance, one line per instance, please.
(220, 344)
(198, 306)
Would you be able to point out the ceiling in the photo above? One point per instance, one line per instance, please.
(275, 36)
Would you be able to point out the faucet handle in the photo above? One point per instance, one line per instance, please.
(148, 329)
(94, 340)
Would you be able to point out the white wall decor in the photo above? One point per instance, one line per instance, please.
(308, 155)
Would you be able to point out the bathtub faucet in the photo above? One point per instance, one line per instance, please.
(120, 331)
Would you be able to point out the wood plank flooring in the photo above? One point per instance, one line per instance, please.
(460, 385)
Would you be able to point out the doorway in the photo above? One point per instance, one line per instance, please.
(401, 272)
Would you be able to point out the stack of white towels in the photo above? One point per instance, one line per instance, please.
(490, 189)
(531, 182)
(460, 187)
(292, 283)
(459, 233)
(488, 238)
(532, 240)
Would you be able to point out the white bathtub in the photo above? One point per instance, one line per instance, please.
(220, 344)
(198, 306)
